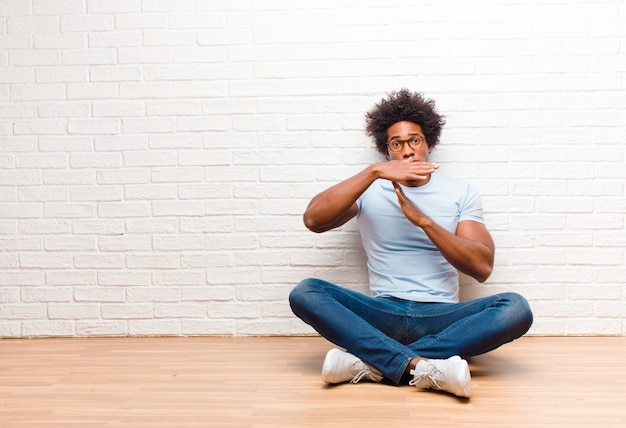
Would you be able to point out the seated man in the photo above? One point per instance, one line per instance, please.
(419, 228)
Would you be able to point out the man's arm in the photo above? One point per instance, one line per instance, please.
(470, 250)
(336, 205)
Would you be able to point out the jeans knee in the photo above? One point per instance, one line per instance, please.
(298, 295)
(519, 312)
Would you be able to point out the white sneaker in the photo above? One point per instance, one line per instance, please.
(340, 366)
(451, 375)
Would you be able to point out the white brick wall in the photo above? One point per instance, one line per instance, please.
(156, 155)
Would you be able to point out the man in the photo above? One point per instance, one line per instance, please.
(419, 228)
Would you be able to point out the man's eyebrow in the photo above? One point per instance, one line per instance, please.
(409, 134)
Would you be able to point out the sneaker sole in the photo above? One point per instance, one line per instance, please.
(328, 367)
(464, 379)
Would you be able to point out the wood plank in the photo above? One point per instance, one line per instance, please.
(275, 382)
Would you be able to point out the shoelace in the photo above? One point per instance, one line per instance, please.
(360, 375)
(434, 377)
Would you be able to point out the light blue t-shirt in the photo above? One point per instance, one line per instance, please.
(402, 261)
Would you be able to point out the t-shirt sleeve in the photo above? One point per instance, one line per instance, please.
(472, 206)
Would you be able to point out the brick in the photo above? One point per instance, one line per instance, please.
(20, 244)
(152, 225)
(592, 327)
(180, 208)
(113, 6)
(144, 55)
(65, 74)
(11, 8)
(114, 39)
(178, 243)
(153, 294)
(68, 210)
(59, 41)
(203, 191)
(208, 327)
(206, 259)
(150, 192)
(8, 194)
(99, 226)
(127, 311)
(123, 176)
(177, 174)
(10, 330)
(53, 7)
(154, 327)
(212, 293)
(93, 126)
(223, 70)
(100, 294)
(142, 21)
(124, 243)
(231, 207)
(15, 75)
(21, 210)
(123, 209)
(118, 108)
(180, 310)
(94, 328)
(204, 158)
(193, 124)
(86, 23)
(69, 243)
(239, 276)
(230, 241)
(65, 278)
(172, 108)
(264, 327)
(76, 311)
(24, 311)
(32, 24)
(40, 127)
(47, 328)
(91, 56)
(79, 91)
(206, 224)
(42, 194)
(21, 278)
(120, 143)
(64, 110)
(32, 58)
(115, 73)
(155, 261)
(235, 310)
(98, 261)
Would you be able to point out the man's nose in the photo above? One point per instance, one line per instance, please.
(407, 150)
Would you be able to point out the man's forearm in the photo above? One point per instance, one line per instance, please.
(469, 256)
(336, 205)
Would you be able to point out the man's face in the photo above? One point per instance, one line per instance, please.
(406, 141)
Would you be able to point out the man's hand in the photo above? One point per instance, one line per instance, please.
(470, 249)
(406, 170)
(414, 214)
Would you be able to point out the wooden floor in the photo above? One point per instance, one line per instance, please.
(275, 382)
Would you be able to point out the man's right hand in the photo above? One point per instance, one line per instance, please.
(407, 172)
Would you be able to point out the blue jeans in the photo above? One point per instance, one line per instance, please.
(387, 333)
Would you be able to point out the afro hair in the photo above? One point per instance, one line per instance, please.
(399, 106)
